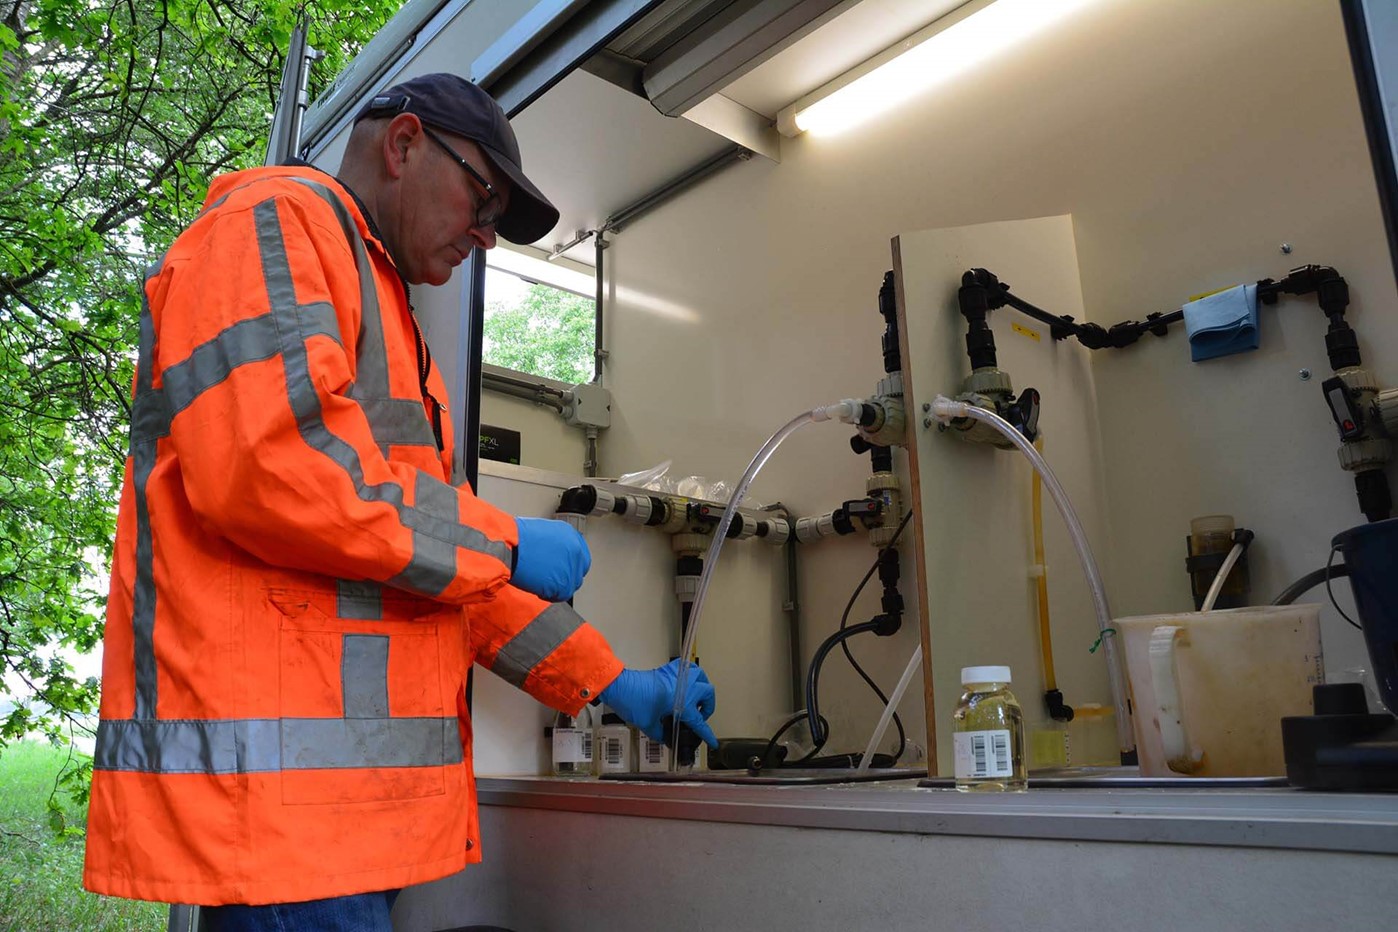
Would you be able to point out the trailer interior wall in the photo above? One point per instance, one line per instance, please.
(1187, 140)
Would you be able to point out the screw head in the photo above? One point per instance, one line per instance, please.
(1305, 375)
(927, 422)
(926, 406)
(1286, 249)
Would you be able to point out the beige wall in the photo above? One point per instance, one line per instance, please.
(1186, 139)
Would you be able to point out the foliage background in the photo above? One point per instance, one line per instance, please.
(114, 116)
(543, 331)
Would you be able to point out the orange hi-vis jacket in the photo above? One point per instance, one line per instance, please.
(298, 591)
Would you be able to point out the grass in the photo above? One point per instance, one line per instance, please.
(40, 872)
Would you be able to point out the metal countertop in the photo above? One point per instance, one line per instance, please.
(1244, 817)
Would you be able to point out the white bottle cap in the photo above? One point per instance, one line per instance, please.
(971, 675)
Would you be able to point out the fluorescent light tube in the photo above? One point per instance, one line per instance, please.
(951, 46)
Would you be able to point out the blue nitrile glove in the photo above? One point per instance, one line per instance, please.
(645, 697)
(551, 558)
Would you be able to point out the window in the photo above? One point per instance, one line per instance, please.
(536, 327)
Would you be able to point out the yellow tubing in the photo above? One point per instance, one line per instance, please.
(1045, 636)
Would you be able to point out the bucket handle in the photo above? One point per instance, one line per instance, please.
(1180, 754)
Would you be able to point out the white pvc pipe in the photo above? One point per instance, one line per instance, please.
(914, 662)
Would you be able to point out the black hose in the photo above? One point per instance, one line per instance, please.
(818, 734)
(1308, 582)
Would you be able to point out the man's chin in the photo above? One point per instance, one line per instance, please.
(438, 275)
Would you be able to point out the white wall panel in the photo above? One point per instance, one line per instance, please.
(1187, 140)
(629, 596)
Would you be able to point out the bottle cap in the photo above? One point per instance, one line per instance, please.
(984, 675)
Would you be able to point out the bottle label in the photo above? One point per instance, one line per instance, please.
(982, 754)
(611, 753)
(572, 746)
(655, 756)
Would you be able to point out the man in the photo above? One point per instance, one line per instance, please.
(298, 591)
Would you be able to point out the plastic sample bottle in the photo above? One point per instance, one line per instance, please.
(572, 747)
(614, 748)
(988, 733)
(651, 756)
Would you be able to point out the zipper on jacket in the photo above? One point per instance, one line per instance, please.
(424, 366)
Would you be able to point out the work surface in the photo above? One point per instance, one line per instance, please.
(1252, 817)
(636, 857)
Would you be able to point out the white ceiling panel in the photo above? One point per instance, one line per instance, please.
(593, 149)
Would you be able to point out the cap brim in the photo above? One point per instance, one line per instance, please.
(531, 215)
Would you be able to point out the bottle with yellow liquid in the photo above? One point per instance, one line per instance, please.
(988, 733)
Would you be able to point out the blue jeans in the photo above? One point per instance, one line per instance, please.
(362, 912)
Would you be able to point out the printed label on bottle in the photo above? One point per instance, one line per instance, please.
(654, 756)
(982, 754)
(572, 746)
(612, 753)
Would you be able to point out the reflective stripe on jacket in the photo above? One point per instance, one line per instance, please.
(286, 646)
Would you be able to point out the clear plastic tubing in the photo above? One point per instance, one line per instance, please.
(1222, 577)
(946, 410)
(847, 411)
(894, 698)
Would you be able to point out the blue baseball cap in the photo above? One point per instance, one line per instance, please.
(450, 102)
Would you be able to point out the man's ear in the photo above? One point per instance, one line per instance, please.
(400, 143)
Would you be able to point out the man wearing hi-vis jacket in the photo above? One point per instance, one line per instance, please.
(298, 589)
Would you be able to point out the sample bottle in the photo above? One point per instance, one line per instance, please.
(988, 733)
(572, 746)
(614, 748)
(651, 756)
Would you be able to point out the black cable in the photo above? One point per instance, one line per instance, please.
(819, 735)
(818, 726)
(786, 726)
(844, 646)
(1328, 592)
(1308, 582)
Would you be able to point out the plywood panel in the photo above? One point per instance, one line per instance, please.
(975, 498)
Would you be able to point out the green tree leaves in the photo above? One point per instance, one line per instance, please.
(549, 333)
(114, 116)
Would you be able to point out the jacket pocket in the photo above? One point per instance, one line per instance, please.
(361, 704)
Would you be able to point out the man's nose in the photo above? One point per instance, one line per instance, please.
(482, 238)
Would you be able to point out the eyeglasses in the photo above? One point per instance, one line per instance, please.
(484, 218)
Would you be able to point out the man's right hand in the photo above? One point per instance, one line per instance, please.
(551, 558)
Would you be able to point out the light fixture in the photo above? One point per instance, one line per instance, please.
(951, 46)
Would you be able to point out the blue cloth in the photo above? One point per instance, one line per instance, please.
(645, 698)
(363, 912)
(1222, 323)
(551, 559)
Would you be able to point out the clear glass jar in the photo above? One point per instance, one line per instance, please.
(988, 733)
